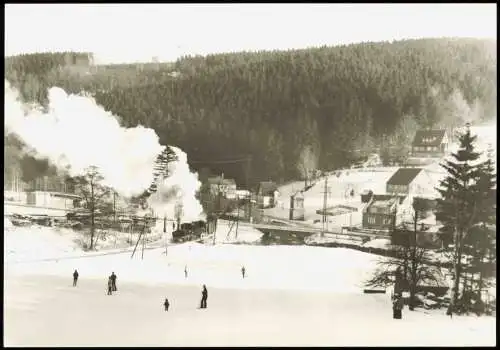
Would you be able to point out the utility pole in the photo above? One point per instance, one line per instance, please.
(219, 198)
(325, 199)
(165, 233)
(114, 207)
(249, 160)
(237, 214)
(143, 239)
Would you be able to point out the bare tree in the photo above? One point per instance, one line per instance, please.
(409, 259)
(398, 146)
(90, 187)
(418, 255)
(308, 162)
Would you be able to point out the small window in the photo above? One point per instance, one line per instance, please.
(371, 220)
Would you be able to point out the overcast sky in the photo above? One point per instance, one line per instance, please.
(134, 32)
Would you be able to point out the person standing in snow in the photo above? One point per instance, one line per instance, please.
(166, 304)
(204, 297)
(113, 281)
(243, 271)
(185, 271)
(397, 307)
(75, 278)
(110, 286)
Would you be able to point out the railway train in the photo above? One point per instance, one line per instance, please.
(189, 231)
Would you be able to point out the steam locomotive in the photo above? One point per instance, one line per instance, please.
(189, 231)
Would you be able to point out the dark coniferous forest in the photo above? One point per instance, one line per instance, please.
(326, 106)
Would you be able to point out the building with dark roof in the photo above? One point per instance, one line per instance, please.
(430, 144)
(267, 194)
(381, 212)
(412, 182)
(225, 186)
(402, 179)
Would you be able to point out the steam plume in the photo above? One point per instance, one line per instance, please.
(179, 188)
(75, 133)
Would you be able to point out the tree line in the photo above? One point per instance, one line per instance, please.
(326, 106)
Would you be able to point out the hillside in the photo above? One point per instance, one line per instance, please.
(290, 110)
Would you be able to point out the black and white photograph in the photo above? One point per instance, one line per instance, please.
(243, 174)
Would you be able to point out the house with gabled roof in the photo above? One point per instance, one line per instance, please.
(411, 182)
(297, 210)
(224, 186)
(395, 207)
(267, 194)
(381, 211)
(430, 144)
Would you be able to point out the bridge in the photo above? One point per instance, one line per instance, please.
(304, 231)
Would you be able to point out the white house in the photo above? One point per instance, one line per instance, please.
(55, 200)
(412, 182)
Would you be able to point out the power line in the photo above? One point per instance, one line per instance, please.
(219, 161)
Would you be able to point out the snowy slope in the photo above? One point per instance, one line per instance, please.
(47, 311)
(268, 267)
(292, 295)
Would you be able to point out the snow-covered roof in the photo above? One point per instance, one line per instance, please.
(429, 137)
(217, 180)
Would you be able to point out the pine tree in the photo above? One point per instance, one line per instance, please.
(457, 208)
(481, 240)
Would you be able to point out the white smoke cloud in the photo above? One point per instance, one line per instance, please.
(179, 188)
(75, 133)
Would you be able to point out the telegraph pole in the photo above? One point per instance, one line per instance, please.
(219, 198)
(165, 233)
(249, 161)
(114, 207)
(143, 238)
(325, 198)
(237, 213)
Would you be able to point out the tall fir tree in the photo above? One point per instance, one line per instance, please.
(458, 208)
(481, 241)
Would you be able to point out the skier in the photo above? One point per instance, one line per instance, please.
(75, 278)
(243, 271)
(113, 281)
(397, 307)
(204, 297)
(110, 286)
(166, 304)
(185, 271)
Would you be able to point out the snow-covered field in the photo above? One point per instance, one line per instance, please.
(292, 295)
(47, 311)
(339, 186)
